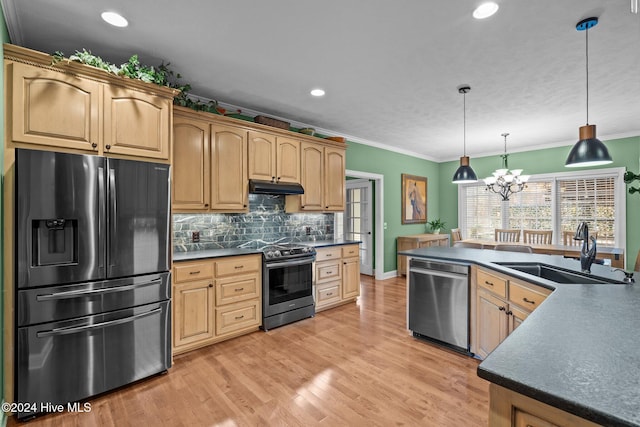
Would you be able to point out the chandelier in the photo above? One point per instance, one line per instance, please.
(504, 181)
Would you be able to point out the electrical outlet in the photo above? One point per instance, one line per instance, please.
(195, 236)
(307, 230)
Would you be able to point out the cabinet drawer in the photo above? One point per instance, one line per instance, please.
(323, 254)
(328, 293)
(493, 283)
(235, 317)
(524, 419)
(328, 271)
(235, 289)
(524, 296)
(238, 265)
(185, 272)
(350, 251)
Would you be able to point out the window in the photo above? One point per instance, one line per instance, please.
(557, 202)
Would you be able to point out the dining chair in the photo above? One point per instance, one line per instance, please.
(468, 245)
(537, 237)
(507, 235)
(513, 248)
(456, 235)
(568, 240)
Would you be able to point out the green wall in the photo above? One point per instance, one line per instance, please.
(5, 39)
(625, 153)
(364, 158)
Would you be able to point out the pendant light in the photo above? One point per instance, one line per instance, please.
(464, 173)
(589, 150)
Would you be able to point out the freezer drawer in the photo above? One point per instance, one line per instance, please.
(74, 359)
(55, 303)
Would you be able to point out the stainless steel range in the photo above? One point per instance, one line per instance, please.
(287, 284)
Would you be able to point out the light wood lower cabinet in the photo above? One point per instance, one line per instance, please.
(337, 275)
(215, 299)
(502, 304)
(417, 241)
(510, 409)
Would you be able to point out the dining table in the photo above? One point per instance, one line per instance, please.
(615, 256)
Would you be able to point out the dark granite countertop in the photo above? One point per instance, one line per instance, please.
(579, 351)
(212, 253)
(326, 243)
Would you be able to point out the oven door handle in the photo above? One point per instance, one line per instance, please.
(81, 293)
(289, 263)
(76, 329)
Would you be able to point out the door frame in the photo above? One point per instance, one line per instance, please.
(378, 244)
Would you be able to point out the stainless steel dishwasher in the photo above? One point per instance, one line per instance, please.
(439, 302)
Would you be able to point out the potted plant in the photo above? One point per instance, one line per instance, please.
(436, 225)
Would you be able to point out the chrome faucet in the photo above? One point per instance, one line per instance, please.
(587, 255)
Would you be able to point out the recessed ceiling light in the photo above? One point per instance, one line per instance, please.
(114, 19)
(317, 92)
(485, 10)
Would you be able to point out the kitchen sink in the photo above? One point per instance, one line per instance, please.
(556, 274)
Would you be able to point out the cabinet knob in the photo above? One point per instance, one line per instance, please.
(94, 145)
(528, 301)
(509, 313)
(273, 178)
(278, 178)
(501, 308)
(108, 147)
(326, 207)
(211, 285)
(244, 206)
(206, 205)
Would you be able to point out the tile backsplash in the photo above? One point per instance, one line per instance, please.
(266, 222)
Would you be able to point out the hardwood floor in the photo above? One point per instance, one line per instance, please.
(355, 365)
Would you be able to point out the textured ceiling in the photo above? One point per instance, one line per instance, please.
(390, 68)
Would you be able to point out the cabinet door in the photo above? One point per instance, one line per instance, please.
(491, 322)
(334, 179)
(288, 160)
(193, 319)
(229, 189)
(191, 168)
(311, 163)
(54, 109)
(136, 123)
(262, 156)
(517, 316)
(350, 278)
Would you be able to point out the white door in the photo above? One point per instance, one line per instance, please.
(358, 217)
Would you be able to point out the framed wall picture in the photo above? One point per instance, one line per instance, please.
(414, 199)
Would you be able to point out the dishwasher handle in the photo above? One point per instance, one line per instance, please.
(438, 273)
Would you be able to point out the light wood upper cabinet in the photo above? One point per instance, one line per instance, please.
(323, 180)
(262, 156)
(312, 162)
(191, 164)
(71, 107)
(229, 190)
(287, 160)
(273, 158)
(53, 109)
(136, 123)
(334, 179)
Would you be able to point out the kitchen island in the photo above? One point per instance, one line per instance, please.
(577, 352)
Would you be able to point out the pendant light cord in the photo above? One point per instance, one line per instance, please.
(464, 123)
(587, 62)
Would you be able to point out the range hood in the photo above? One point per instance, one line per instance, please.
(267, 187)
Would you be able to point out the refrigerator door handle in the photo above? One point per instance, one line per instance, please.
(102, 221)
(76, 329)
(74, 294)
(113, 223)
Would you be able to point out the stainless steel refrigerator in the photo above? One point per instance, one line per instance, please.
(92, 308)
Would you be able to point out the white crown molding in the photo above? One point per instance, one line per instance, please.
(13, 23)
(323, 131)
(604, 138)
